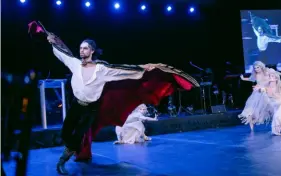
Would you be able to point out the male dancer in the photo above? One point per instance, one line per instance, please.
(87, 82)
(101, 97)
(264, 36)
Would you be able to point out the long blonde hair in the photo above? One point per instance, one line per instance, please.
(264, 69)
(278, 80)
(139, 107)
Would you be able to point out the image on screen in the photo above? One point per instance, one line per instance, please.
(261, 34)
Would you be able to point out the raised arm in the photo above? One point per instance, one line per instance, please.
(255, 31)
(252, 21)
(70, 61)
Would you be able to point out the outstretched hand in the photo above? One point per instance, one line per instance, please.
(51, 38)
(148, 67)
(156, 117)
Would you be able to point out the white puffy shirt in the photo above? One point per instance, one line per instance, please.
(91, 90)
(263, 40)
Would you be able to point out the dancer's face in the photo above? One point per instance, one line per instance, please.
(85, 50)
(272, 78)
(260, 30)
(257, 69)
(143, 110)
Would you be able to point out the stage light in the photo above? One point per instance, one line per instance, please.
(117, 5)
(87, 4)
(26, 79)
(191, 9)
(143, 7)
(22, 1)
(58, 2)
(169, 8)
(9, 77)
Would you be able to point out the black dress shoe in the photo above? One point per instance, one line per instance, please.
(66, 155)
(61, 168)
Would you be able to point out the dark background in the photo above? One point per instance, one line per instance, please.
(208, 38)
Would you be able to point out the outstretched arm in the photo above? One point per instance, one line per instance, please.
(116, 73)
(247, 79)
(276, 40)
(142, 117)
(148, 67)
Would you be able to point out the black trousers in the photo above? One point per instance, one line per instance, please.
(78, 121)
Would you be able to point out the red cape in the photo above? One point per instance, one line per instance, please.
(120, 98)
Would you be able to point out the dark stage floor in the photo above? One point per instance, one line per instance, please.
(214, 152)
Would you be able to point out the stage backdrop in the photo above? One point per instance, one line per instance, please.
(126, 36)
(261, 34)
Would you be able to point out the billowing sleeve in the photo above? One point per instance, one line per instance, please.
(115, 74)
(70, 62)
(277, 40)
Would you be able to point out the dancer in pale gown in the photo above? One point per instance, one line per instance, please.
(133, 129)
(273, 98)
(252, 112)
(276, 122)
